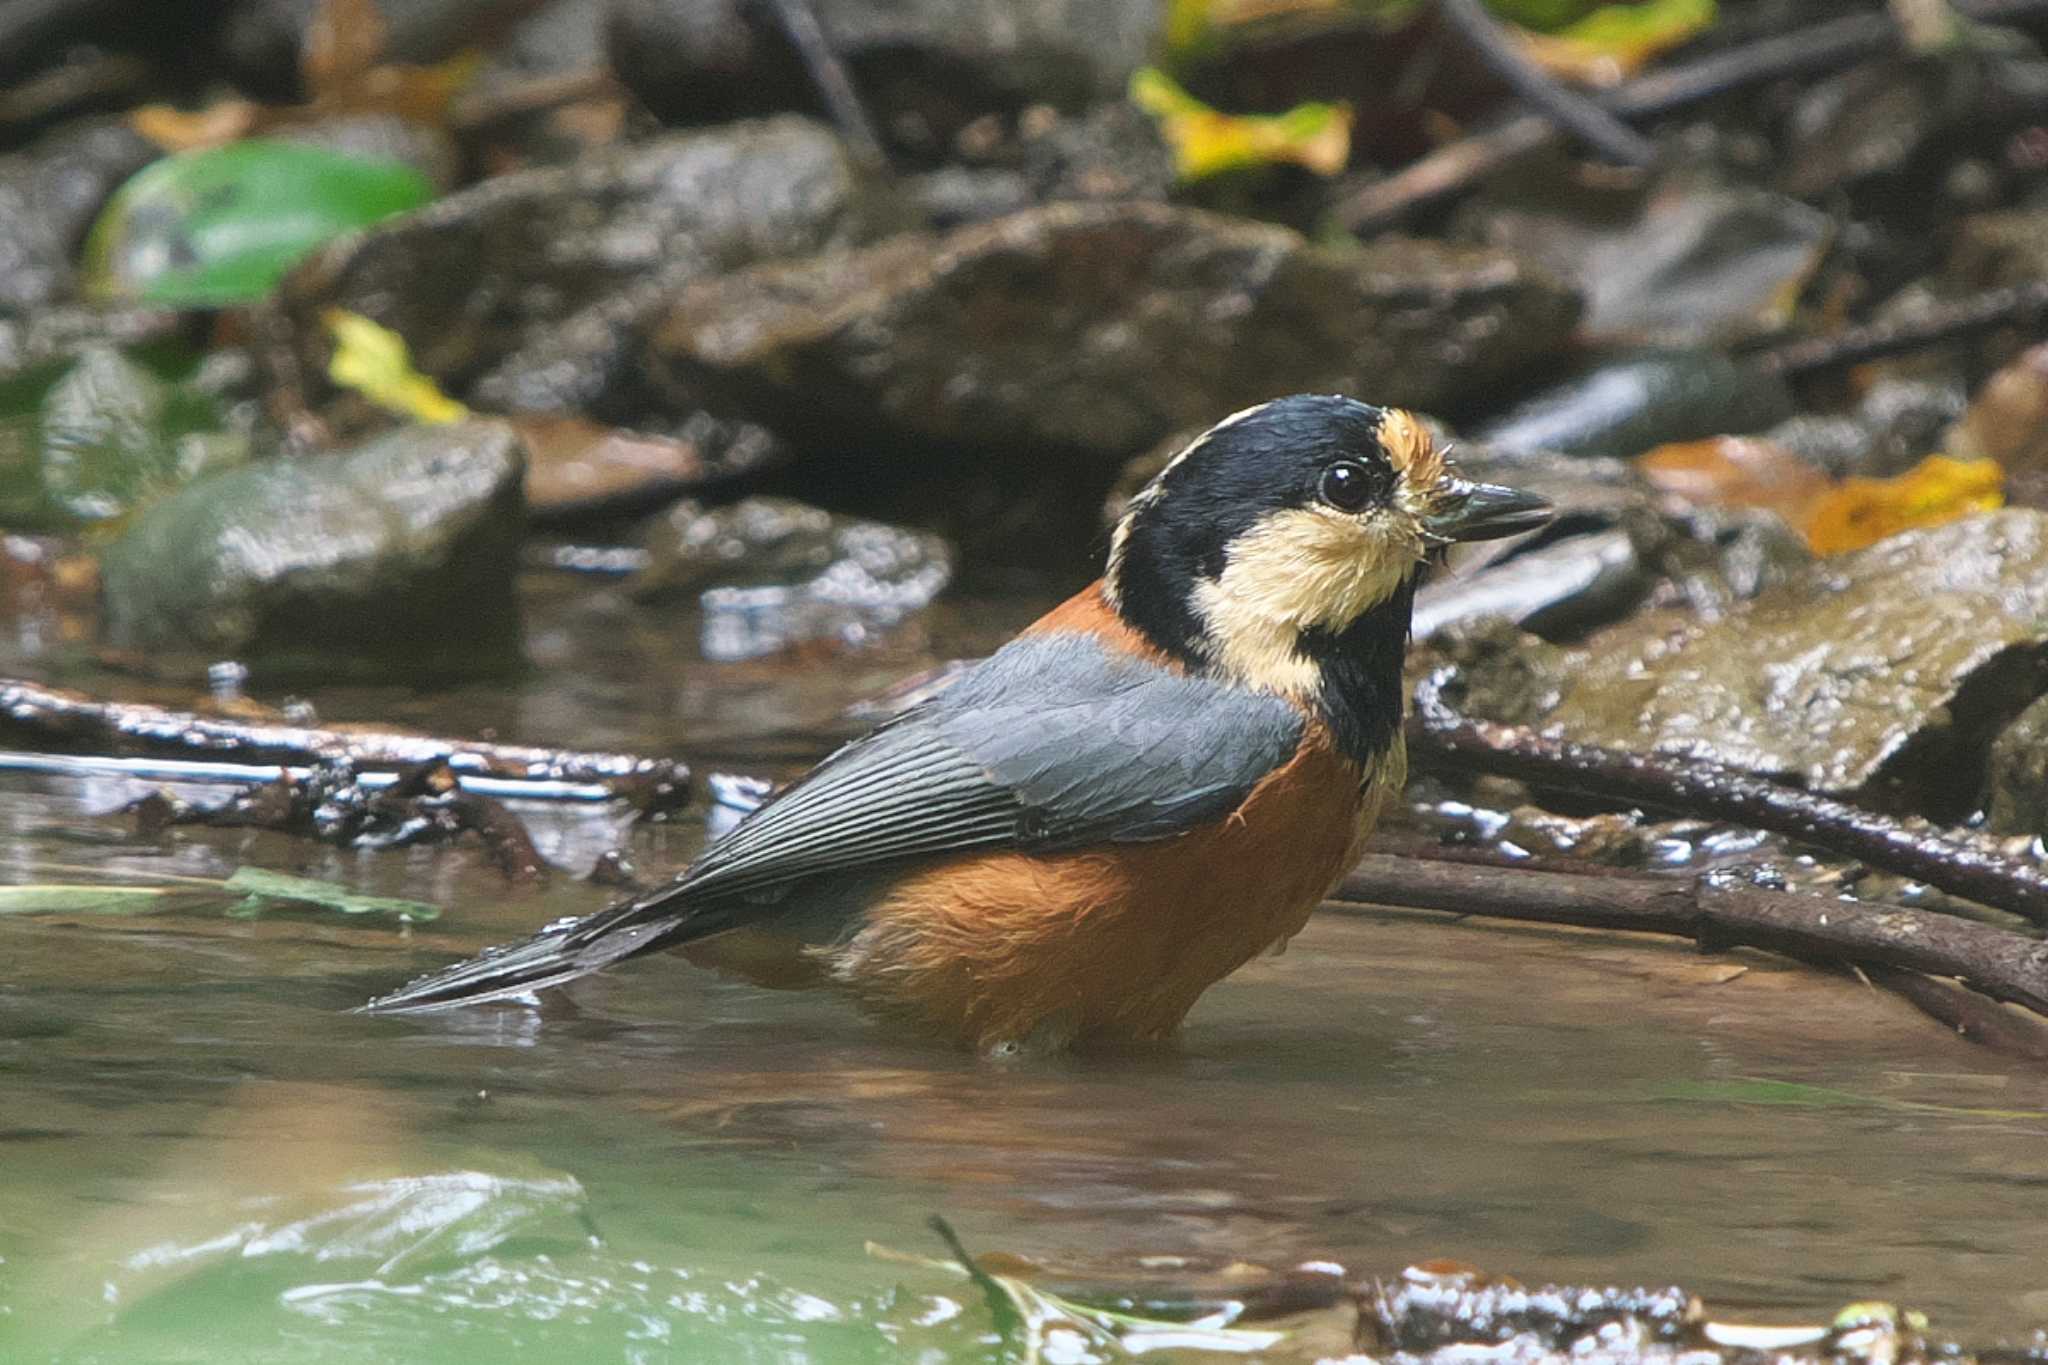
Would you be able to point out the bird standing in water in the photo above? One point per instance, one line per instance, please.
(1153, 783)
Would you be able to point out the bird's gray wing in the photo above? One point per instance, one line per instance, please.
(1052, 742)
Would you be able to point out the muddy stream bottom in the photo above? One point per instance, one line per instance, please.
(203, 1157)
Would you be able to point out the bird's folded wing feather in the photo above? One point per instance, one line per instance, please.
(1051, 743)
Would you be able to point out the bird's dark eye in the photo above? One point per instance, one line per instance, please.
(1347, 486)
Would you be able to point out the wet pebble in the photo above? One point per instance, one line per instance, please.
(770, 573)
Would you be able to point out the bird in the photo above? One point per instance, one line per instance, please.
(1152, 784)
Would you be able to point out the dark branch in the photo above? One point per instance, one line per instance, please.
(1995, 962)
(1561, 105)
(799, 23)
(1809, 51)
(2012, 306)
(44, 718)
(1440, 736)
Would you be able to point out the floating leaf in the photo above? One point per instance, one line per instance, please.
(375, 362)
(1037, 1325)
(54, 898)
(256, 888)
(220, 226)
(1206, 141)
(1938, 490)
(260, 886)
(1613, 42)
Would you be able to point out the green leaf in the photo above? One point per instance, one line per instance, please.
(1208, 142)
(222, 225)
(260, 886)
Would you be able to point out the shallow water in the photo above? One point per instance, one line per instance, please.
(206, 1159)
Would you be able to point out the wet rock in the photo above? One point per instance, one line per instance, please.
(1097, 329)
(52, 336)
(771, 572)
(955, 195)
(1884, 128)
(1699, 265)
(1631, 404)
(1906, 419)
(925, 67)
(393, 557)
(1993, 249)
(1115, 151)
(112, 433)
(88, 441)
(2018, 798)
(500, 270)
(1882, 673)
(49, 195)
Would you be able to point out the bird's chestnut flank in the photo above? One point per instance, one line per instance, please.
(1153, 783)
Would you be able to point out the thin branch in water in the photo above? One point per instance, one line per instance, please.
(1589, 122)
(799, 21)
(46, 718)
(1440, 736)
(1718, 915)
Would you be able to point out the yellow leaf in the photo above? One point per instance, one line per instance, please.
(374, 361)
(1614, 41)
(1860, 512)
(1206, 141)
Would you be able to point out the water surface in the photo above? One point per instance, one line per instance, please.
(206, 1158)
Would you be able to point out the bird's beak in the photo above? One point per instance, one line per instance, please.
(1483, 511)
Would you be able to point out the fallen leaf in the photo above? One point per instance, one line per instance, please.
(179, 130)
(1938, 490)
(2007, 420)
(1739, 471)
(260, 887)
(220, 226)
(375, 362)
(574, 462)
(1206, 141)
(1615, 41)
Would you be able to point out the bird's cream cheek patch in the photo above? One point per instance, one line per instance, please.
(1299, 569)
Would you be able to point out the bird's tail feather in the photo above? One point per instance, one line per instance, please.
(557, 954)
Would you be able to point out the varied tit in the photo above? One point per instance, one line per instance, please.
(1149, 786)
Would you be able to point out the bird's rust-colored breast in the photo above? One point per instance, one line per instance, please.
(1027, 950)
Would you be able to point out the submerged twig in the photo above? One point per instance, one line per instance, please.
(425, 805)
(1438, 734)
(1591, 123)
(32, 715)
(1717, 914)
(828, 71)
